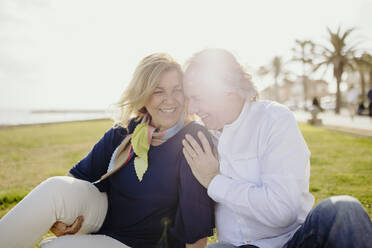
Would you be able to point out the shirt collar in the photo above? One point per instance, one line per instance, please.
(238, 120)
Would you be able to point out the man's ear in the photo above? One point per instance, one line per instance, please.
(234, 95)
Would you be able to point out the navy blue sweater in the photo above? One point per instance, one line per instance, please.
(168, 190)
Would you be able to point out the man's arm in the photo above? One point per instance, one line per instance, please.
(284, 176)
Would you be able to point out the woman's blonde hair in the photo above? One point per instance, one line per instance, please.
(221, 69)
(145, 79)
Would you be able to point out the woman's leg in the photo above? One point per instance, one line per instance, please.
(79, 241)
(59, 198)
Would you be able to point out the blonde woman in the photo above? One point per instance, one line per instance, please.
(135, 188)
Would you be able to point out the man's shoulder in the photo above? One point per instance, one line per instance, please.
(193, 128)
(271, 110)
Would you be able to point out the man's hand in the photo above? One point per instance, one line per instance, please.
(203, 163)
(59, 228)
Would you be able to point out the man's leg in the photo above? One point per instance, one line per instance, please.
(56, 199)
(339, 222)
(226, 245)
(221, 245)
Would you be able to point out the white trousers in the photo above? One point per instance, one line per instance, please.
(60, 198)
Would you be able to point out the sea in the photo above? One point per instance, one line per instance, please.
(11, 117)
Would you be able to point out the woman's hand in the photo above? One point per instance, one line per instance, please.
(59, 228)
(201, 243)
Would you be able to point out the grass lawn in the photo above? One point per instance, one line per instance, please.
(340, 163)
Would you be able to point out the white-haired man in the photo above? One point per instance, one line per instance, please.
(259, 176)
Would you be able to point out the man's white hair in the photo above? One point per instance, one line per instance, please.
(220, 69)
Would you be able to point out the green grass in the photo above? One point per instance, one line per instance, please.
(30, 154)
(341, 164)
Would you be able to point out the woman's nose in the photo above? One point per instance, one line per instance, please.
(169, 98)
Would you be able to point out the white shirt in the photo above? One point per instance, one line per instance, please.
(262, 192)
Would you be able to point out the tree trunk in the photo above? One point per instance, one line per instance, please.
(338, 95)
(305, 88)
(362, 85)
(337, 72)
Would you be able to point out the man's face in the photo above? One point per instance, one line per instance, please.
(211, 104)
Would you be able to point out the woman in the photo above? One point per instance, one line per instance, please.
(135, 188)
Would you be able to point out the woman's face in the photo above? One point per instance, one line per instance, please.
(166, 105)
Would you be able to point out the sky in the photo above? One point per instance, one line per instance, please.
(80, 54)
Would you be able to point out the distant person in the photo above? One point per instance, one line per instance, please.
(259, 175)
(369, 95)
(315, 110)
(143, 184)
(361, 108)
(352, 100)
(316, 104)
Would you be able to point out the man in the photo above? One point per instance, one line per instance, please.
(260, 177)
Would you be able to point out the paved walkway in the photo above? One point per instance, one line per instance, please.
(359, 125)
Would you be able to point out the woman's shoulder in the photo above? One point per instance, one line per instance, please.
(117, 133)
(193, 128)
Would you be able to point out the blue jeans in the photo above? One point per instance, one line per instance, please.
(225, 245)
(337, 222)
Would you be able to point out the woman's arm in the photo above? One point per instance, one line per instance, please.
(59, 228)
(194, 218)
(95, 164)
(201, 243)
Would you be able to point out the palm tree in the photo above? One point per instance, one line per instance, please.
(339, 55)
(276, 69)
(363, 64)
(303, 52)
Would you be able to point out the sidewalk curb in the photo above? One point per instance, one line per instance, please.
(353, 131)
